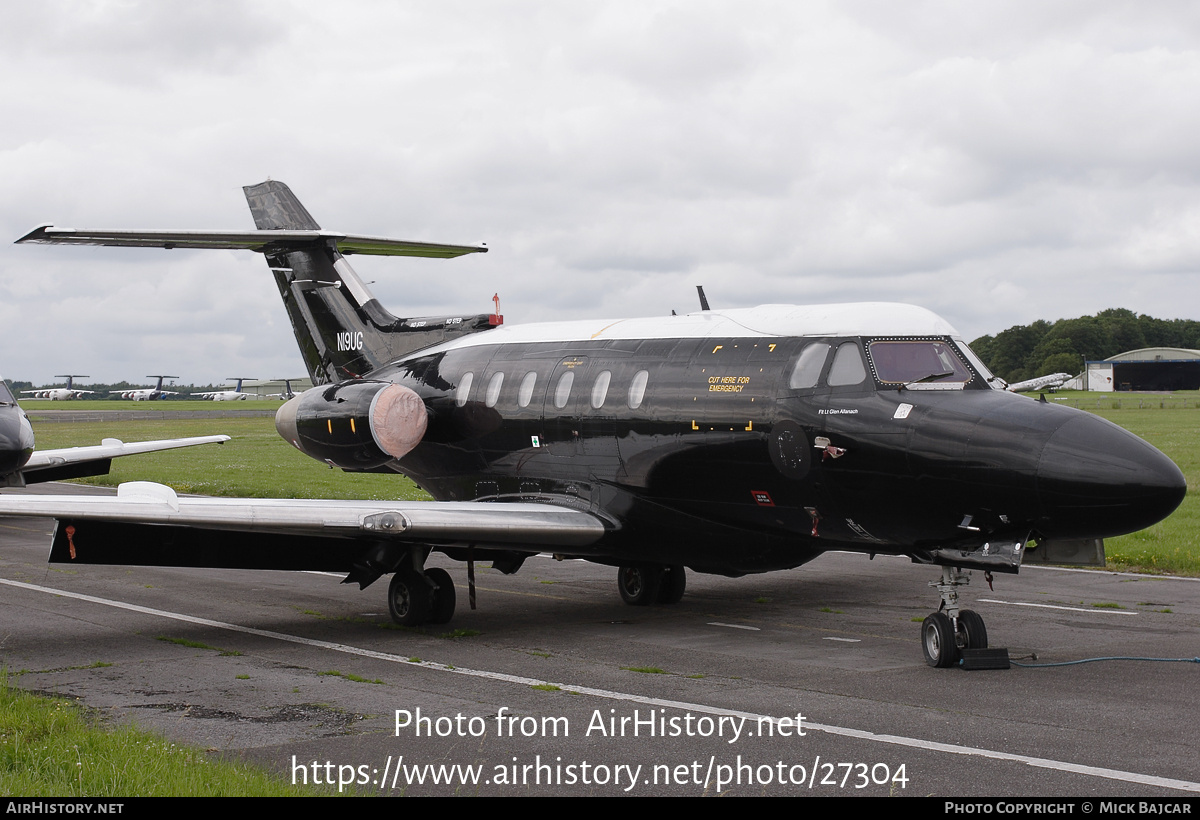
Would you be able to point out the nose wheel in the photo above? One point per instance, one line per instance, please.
(950, 630)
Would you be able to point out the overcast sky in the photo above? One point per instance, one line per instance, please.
(995, 162)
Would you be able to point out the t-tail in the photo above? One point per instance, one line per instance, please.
(342, 329)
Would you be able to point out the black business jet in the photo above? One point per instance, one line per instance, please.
(724, 441)
(21, 464)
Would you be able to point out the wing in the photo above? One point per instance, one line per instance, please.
(261, 241)
(76, 462)
(147, 524)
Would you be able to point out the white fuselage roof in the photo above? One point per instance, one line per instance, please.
(852, 319)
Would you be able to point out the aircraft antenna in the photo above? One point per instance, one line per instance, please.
(703, 298)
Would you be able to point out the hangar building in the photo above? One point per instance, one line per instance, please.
(1151, 368)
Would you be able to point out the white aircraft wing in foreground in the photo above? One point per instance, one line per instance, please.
(53, 465)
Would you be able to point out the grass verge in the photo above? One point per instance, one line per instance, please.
(51, 747)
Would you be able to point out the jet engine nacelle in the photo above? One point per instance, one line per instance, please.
(355, 425)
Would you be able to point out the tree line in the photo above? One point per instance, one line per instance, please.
(1028, 351)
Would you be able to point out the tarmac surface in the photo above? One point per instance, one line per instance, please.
(809, 681)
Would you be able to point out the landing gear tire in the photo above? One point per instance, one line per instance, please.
(973, 632)
(639, 586)
(409, 599)
(441, 609)
(938, 641)
(674, 581)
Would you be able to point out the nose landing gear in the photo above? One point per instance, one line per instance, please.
(953, 636)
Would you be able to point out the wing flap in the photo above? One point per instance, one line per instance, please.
(260, 241)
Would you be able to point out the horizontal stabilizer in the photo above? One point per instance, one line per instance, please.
(260, 241)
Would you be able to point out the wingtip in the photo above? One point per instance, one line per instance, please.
(37, 234)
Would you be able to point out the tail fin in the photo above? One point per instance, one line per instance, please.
(342, 330)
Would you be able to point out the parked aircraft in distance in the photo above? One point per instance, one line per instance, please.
(150, 393)
(1050, 382)
(724, 441)
(288, 392)
(21, 464)
(227, 395)
(60, 393)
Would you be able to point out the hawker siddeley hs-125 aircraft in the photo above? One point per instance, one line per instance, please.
(21, 464)
(724, 441)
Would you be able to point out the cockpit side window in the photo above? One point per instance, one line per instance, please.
(808, 367)
(6, 397)
(917, 360)
(847, 368)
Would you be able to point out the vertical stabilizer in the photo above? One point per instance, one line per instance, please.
(342, 330)
(275, 208)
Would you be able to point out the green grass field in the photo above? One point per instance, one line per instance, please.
(50, 747)
(35, 406)
(258, 463)
(1171, 546)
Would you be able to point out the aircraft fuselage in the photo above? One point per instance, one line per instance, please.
(743, 453)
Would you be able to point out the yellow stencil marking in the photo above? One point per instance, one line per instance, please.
(606, 327)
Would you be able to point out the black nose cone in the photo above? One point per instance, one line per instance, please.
(1096, 480)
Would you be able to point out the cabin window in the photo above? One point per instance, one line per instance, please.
(918, 360)
(525, 394)
(808, 367)
(847, 366)
(600, 388)
(637, 388)
(464, 389)
(563, 391)
(493, 390)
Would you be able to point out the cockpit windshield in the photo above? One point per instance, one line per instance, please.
(917, 361)
(6, 396)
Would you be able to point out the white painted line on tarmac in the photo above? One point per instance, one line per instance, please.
(1105, 610)
(735, 626)
(839, 731)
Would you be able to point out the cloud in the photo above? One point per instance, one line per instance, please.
(997, 162)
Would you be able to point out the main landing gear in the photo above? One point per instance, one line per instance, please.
(416, 598)
(950, 630)
(645, 584)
